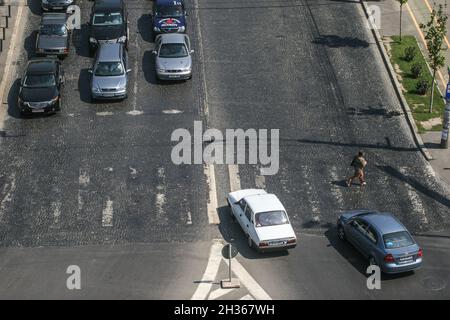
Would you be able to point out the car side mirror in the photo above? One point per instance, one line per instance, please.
(90, 71)
(128, 70)
(192, 51)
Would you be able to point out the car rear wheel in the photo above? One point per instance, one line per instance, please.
(341, 233)
(249, 241)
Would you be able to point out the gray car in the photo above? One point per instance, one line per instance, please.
(53, 36)
(110, 72)
(173, 57)
(382, 239)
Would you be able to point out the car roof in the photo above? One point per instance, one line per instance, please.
(173, 38)
(384, 222)
(108, 5)
(54, 18)
(44, 65)
(167, 2)
(264, 202)
(109, 52)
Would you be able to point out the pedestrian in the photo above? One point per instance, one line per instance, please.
(358, 163)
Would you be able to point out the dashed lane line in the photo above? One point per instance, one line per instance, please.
(235, 180)
(107, 214)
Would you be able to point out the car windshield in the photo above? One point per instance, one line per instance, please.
(397, 240)
(173, 50)
(108, 69)
(271, 218)
(164, 11)
(53, 30)
(39, 81)
(107, 19)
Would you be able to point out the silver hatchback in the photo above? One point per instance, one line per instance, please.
(173, 57)
(110, 72)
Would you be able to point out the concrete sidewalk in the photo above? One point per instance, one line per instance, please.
(415, 13)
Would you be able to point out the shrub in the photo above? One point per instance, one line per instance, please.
(416, 70)
(410, 53)
(422, 86)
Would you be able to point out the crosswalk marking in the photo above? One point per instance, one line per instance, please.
(336, 190)
(8, 191)
(212, 205)
(312, 196)
(416, 202)
(161, 216)
(56, 211)
(107, 216)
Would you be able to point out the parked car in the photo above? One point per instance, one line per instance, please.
(53, 36)
(109, 73)
(40, 86)
(56, 5)
(169, 16)
(108, 23)
(263, 219)
(382, 239)
(173, 57)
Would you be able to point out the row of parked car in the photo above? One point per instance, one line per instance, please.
(40, 87)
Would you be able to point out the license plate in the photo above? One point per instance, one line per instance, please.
(405, 259)
(276, 243)
(37, 110)
(108, 94)
(57, 8)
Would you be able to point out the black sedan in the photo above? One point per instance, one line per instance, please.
(56, 5)
(40, 87)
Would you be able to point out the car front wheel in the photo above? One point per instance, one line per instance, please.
(341, 233)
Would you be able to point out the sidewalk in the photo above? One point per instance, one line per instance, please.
(415, 13)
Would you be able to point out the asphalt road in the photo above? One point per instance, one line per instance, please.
(309, 68)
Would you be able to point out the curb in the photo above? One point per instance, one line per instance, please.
(392, 76)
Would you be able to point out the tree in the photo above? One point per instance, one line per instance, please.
(402, 2)
(435, 31)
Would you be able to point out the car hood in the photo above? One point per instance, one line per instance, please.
(108, 82)
(38, 94)
(174, 63)
(236, 196)
(108, 32)
(165, 23)
(275, 232)
(409, 250)
(52, 42)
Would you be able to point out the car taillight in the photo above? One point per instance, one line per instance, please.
(389, 258)
(420, 253)
(263, 244)
(291, 241)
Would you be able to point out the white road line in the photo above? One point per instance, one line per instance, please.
(161, 216)
(9, 189)
(247, 280)
(212, 268)
(235, 180)
(216, 294)
(108, 212)
(83, 182)
(336, 190)
(212, 205)
(247, 297)
(189, 218)
(104, 114)
(172, 111)
(416, 202)
(135, 113)
(16, 41)
(312, 196)
(56, 211)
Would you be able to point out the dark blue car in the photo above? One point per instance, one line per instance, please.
(169, 16)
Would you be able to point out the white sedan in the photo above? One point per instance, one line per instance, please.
(263, 219)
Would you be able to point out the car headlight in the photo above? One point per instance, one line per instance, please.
(93, 40)
(97, 90)
(54, 100)
(156, 29)
(122, 88)
(182, 29)
(122, 39)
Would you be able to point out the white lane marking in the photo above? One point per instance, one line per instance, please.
(219, 293)
(260, 182)
(247, 280)
(213, 217)
(212, 268)
(135, 113)
(247, 297)
(189, 218)
(83, 183)
(56, 210)
(83, 178)
(133, 172)
(8, 189)
(235, 180)
(105, 114)
(16, 41)
(335, 190)
(135, 85)
(416, 202)
(172, 111)
(108, 212)
(311, 194)
(161, 216)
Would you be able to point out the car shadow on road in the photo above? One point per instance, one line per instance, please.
(349, 253)
(35, 7)
(13, 110)
(145, 27)
(84, 89)
(232, 233)
(334, 41)
(30, 45)
(80, 41)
